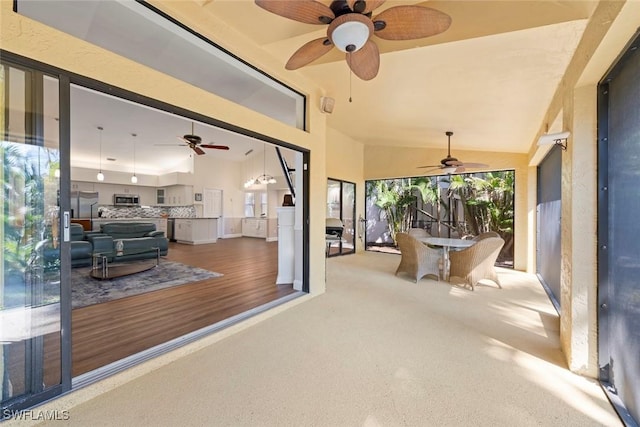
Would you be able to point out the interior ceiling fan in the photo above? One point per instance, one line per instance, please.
(351, 26)
(195, 143)
(450, 164)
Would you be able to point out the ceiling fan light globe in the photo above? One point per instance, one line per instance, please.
(350, 36)
(449, 169)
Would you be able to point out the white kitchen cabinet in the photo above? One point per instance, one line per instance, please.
(178, 195)
(254, 227)
(175, 178)
(183, 230)
(196, 231)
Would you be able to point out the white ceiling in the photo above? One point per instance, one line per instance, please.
(154, 129)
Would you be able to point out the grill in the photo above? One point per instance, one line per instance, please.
(334, 227)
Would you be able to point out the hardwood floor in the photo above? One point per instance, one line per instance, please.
(107, 332)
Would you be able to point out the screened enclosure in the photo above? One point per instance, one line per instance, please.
(460, 206)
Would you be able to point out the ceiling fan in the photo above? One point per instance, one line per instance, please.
(351, 26)
(195, 143)
(450, 164)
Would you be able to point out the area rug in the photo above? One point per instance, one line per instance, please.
(86, 290)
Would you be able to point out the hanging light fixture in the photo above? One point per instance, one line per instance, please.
(100, 175)
(264, 178)
(134, 178)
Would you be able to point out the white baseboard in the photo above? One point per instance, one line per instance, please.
(231, 236)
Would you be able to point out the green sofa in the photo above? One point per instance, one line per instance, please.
(81, 249)
(138, 238)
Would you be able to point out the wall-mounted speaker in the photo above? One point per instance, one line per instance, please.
(326, 104)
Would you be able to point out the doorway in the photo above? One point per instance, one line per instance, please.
(34, 350)
(341, 204)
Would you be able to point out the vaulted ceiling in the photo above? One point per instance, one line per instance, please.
(489, 77)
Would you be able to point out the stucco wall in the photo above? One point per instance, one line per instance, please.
(611, 27)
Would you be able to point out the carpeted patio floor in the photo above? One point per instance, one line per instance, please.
(374, 350)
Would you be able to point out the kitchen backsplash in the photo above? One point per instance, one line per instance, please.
(146, 212)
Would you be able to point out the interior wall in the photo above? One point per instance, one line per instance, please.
(391, 162)
(346, 162)
(31, 39)
(213, 172)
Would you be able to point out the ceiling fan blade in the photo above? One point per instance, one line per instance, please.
(365, 62)
(169, 145)
(430, 170)
(197, 149)
(411, 22)
(217, 147)
(307, 11)
(430, 166)
(309, 52)
(364, 7)
(475, 165)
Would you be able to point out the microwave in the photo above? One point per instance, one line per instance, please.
(126, 200)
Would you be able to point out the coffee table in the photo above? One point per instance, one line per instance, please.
(104, 269)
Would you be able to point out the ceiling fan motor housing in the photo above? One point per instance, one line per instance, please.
(193, 139)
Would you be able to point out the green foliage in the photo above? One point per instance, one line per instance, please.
(396, 199)
(486, 199)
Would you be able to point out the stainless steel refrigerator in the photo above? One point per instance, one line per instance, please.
(84, 204)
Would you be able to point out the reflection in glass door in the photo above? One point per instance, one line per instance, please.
(341, 204)
(30, 267)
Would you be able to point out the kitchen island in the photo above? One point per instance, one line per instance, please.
(196, 231)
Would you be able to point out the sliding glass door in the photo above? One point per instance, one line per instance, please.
(31, 271)
(341, 204)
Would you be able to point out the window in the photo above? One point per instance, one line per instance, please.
(143, 34)
(249, 205)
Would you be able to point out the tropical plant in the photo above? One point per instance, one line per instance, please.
(487, 200)
(396, 198)
(23, 181)
(474, 203)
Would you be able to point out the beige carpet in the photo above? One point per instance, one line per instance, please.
(375, 350)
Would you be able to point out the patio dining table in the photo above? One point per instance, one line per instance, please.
(446, 244)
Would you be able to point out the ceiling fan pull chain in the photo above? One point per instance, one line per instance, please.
(350, 79)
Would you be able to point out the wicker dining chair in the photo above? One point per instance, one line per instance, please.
(418, 233)
(417, 259)
(476, 262)
(485, 235)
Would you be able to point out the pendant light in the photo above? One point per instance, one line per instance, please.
(134, 178)
(100, 175)
(264, 178)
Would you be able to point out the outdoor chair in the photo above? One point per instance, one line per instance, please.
(334, 228)
(476, 262)
(418, 233)
(417, 259)
(485, 235)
